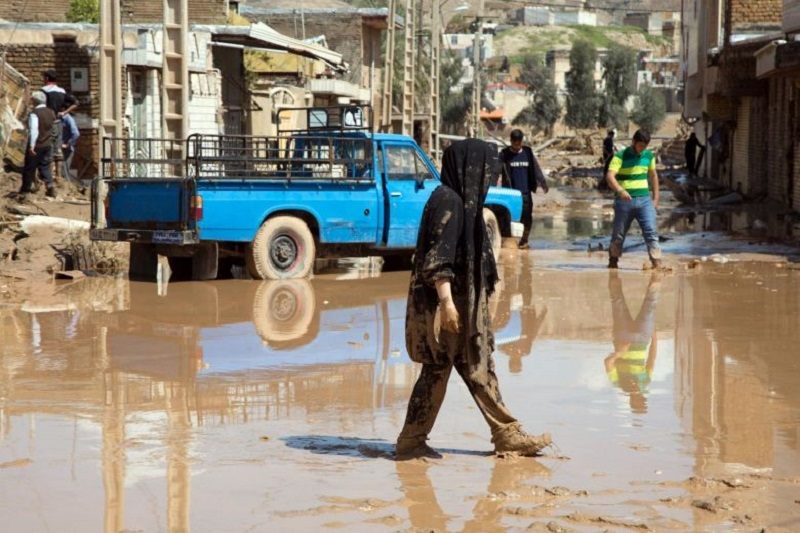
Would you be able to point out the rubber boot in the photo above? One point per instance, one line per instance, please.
(512, 439)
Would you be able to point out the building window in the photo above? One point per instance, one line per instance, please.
(233, 6)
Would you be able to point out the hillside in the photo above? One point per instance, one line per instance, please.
(523, 40)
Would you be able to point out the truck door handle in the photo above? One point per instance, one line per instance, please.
(396, 194)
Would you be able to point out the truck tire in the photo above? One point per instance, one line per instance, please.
(283, 312)
(493, 229)
(282, 249)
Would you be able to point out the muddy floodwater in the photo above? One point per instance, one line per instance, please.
(674, 401)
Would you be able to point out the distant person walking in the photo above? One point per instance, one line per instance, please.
(633, 178)
(608, 153)
(447, 319)
(521, 171)
(69, 139)
(690, 151)
(39, 153)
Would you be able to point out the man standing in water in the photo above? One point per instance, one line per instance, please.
(522, 172)
(633, 178)
(447, 319)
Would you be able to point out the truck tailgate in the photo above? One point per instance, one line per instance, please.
(149, 203)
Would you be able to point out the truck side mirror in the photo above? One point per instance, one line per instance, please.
(420, 182)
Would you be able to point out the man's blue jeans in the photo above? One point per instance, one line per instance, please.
(641, 209)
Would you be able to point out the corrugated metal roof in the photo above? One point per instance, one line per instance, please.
(261, 33)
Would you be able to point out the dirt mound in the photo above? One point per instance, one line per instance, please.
(40, 236)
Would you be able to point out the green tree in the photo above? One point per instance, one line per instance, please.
(649, 109)
(534, 73)
(83, 11)
(544, 109)
(453, 105)
(619, 74)
(582, 101)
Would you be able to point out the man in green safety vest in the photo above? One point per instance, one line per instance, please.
(633, 178)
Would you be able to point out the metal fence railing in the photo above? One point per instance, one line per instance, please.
(132, 157)
(299, 157)
(236, 157)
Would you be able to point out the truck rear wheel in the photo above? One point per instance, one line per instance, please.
(493, 229)
(282, 249)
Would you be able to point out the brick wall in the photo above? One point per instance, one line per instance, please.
(200, 11)
(34, 10)
(756, 12)
(32, 59)
(343, 33)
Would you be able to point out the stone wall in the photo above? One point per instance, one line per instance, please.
(200, 11)
(34, 10)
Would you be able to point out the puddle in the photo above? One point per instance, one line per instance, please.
(674, 402)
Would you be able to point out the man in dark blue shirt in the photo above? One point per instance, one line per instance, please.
(521, 171)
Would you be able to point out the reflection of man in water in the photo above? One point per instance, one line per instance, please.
(630, 366)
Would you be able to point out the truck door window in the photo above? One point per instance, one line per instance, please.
(422, 168)
(401, 163)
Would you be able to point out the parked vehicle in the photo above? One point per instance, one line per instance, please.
(329, 189)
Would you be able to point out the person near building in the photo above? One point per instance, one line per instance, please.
(521, 171)
(69, 140)
(39, 153)
(608, 153)
(690, 151)
(61, 102)
(58, 99)
(447, 319)
(633, 178)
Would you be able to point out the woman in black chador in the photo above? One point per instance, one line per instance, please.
(447, 321)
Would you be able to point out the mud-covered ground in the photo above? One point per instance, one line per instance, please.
(273, 406)
(673, 397)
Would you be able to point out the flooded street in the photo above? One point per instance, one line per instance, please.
(674, 401)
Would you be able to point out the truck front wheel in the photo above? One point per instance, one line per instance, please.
(282, 249)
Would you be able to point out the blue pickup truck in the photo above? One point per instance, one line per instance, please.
(272, 204)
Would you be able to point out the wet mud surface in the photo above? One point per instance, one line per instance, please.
(673, 399)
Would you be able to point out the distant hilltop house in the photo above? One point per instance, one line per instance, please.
(650, 15)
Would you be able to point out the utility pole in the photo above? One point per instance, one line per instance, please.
(388, 71)
(433, 116)
(110, 95)
(476, 74)
(409, 68)
(175, 76)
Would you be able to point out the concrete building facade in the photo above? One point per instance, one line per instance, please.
(742, 92)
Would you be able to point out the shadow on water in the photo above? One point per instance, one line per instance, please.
(358, 447)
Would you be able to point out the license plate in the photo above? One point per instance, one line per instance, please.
(105, 235)
(168, 237)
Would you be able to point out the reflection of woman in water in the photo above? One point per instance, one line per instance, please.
(447, 321)
(630, 366)
(518, 276)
